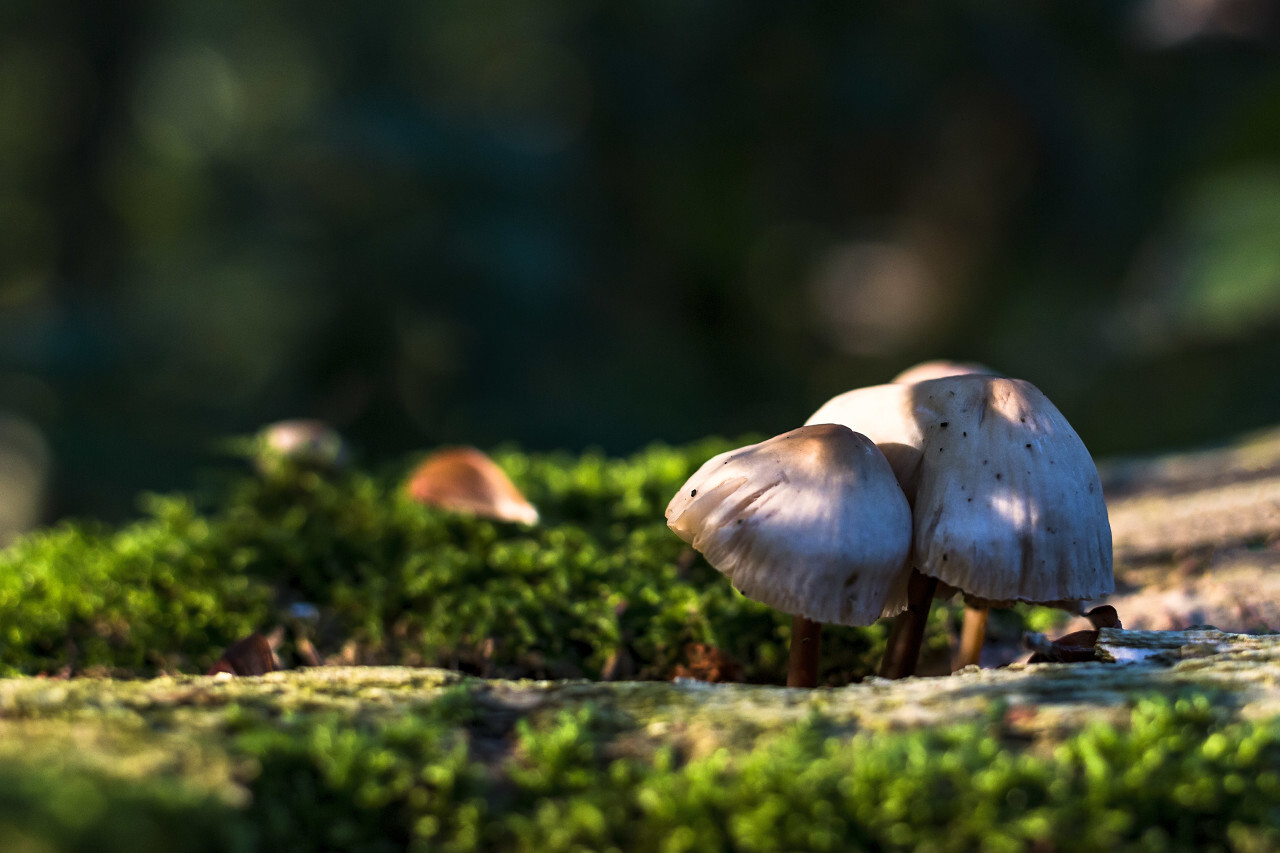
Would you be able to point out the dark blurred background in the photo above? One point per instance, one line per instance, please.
(583, 223)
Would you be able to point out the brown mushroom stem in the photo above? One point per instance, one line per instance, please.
(802, 670)
(907, 634)
(972, 634)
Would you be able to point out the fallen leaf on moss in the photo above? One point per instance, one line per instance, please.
(1076, 647)
(248, 656)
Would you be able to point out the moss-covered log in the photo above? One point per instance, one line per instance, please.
(1177, 750)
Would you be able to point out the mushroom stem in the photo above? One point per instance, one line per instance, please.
(972, 634)
(802, 670)
(907, 634)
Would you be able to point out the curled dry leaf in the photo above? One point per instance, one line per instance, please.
(250, 655)
(463, 479)
(1076, 647)
(1104, 616)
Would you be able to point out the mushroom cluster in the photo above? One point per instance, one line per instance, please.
(1004, 505)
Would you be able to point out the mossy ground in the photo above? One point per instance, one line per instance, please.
(599, 587)
(374, 759)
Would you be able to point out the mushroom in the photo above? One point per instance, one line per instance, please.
(927, 370)
(463, 479)
(1006, 501)
(811, 522)
(299, 444)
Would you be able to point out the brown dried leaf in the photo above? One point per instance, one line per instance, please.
(250, 655)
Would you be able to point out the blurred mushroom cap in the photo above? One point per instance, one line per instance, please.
(811, 522)
(463, 479)
(887, 415)
(302, 443)
(926, 370)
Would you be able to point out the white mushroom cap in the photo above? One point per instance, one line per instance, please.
(811, 522)
(1038, 532)
(1008, 505)
(887, 415)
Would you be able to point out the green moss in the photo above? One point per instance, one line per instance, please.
(1178, 778)
(455, 772)
(161, 593)
(600, 580)
(43, 809)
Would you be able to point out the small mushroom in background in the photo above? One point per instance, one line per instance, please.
(463, 479)
(811, 522)
(299, 444)
(1006, 501)
(939, 369)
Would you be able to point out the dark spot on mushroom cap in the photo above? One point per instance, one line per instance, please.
(984, 461)
(1024, 420)
(998, 476)
(1028, 447)
(965, 434)
(944, 558)
(694, 493)
(943, 424)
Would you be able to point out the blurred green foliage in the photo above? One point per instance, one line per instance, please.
(446, 774)
(599, 583)
(575, 223)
